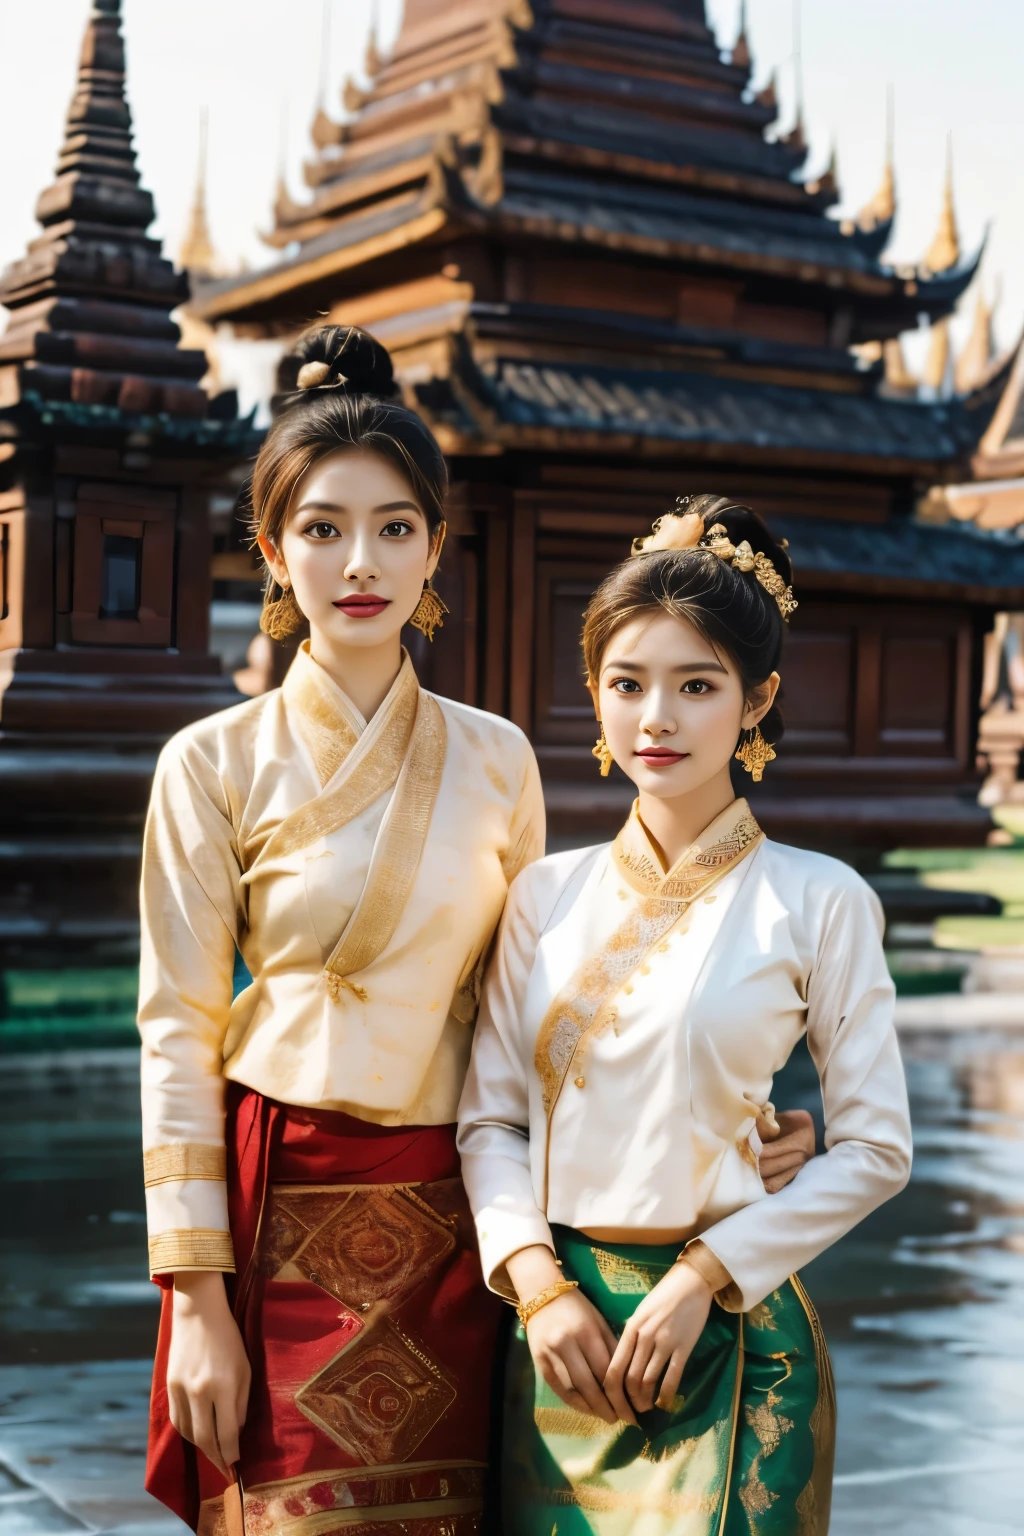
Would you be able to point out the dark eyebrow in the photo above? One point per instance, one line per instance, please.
(336, 506)
(689, 666)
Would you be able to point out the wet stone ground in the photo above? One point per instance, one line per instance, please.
(923, 1305)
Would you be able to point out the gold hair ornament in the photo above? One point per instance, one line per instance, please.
(755, 753)
(685, 530)
(430, 612)
(602, 752)
(312, 375)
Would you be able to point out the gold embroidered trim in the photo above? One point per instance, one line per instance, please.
(371, 769)
(719, 847)
(580, 1010)
(194, 1248)
(570, 1422)
(814, 1505)
(433, 1490)
(320, 715)
(396, 859)
(186, 1160)
(734, 1432)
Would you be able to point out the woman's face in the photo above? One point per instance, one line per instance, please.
(672, 707)
(355, 548)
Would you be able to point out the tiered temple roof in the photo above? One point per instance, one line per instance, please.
(90, 339)
(539, 193)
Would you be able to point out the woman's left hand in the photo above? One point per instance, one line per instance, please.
(656, 1343)
(791, 1149)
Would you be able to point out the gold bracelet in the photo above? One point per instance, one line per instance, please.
(526, 1309)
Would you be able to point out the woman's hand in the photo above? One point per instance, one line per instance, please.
(656, 1343)
(786, 1147)
(208, 1372)
(569, 1340)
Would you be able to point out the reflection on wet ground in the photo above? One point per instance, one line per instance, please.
(923, 1305)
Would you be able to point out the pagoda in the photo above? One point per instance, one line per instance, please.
(586, 240)
(108, 448)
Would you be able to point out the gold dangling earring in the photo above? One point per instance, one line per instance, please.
(755, 753)
(602, 752)
(430, 612)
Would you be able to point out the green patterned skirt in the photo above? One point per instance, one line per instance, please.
(746, 1449)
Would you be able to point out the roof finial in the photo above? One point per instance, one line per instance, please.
(325, 55)
(827, 184)
(197, 252)
(740, 58)
(372, 61)
(797, 135)
(881, 209)
(974, 360)
(944, 251)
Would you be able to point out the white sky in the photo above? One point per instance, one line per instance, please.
(257, 63)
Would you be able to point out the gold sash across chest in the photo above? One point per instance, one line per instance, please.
(402, 748)
(582, 1009)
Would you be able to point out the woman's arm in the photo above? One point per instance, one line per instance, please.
(852, 1041)
(494, 1112)
(189, 913)
(570, 1341)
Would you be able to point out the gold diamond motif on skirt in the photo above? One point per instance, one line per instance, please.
(380, 1397)
(362, 1245)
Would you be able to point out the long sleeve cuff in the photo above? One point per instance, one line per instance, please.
(502, 1230)
(187, 1208)
(714, 1273)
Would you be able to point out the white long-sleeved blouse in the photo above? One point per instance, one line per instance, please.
(360, 868)
(631, 1025)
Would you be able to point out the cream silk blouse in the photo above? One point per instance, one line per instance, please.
(631, 1025)
(360, 869)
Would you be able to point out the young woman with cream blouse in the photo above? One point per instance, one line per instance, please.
(669, 1375)
(326, 1337)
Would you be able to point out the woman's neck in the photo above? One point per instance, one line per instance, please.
(365, 674)
(673, 825)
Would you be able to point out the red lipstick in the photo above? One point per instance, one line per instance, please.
(660, 757)
(362, 605)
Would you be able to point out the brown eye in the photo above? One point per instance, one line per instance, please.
(396, 529)
(696, 685)
(321, 530)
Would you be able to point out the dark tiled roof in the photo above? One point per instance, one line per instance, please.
(664, 214)
(622, 132)
(705, 408)
(905, 550)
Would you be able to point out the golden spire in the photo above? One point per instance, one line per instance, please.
(828, 181)
(740, 57)
(197, 252)
(944, 251)
(973, 362)
(898, 376)
(937, 364)
(768, 96)
(796, 138)
(372, 62)
(881, 208)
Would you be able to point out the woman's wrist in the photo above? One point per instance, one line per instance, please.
(200, 1290)
(698, 1257)
(533, 1270)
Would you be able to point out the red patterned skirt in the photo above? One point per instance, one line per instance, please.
(369, 1330)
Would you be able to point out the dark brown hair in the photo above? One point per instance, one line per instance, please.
(728, 607)
(336, 389)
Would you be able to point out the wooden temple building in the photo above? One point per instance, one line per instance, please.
(108, 447)
(605, 285)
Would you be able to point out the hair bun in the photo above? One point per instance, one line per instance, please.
(336, 357)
